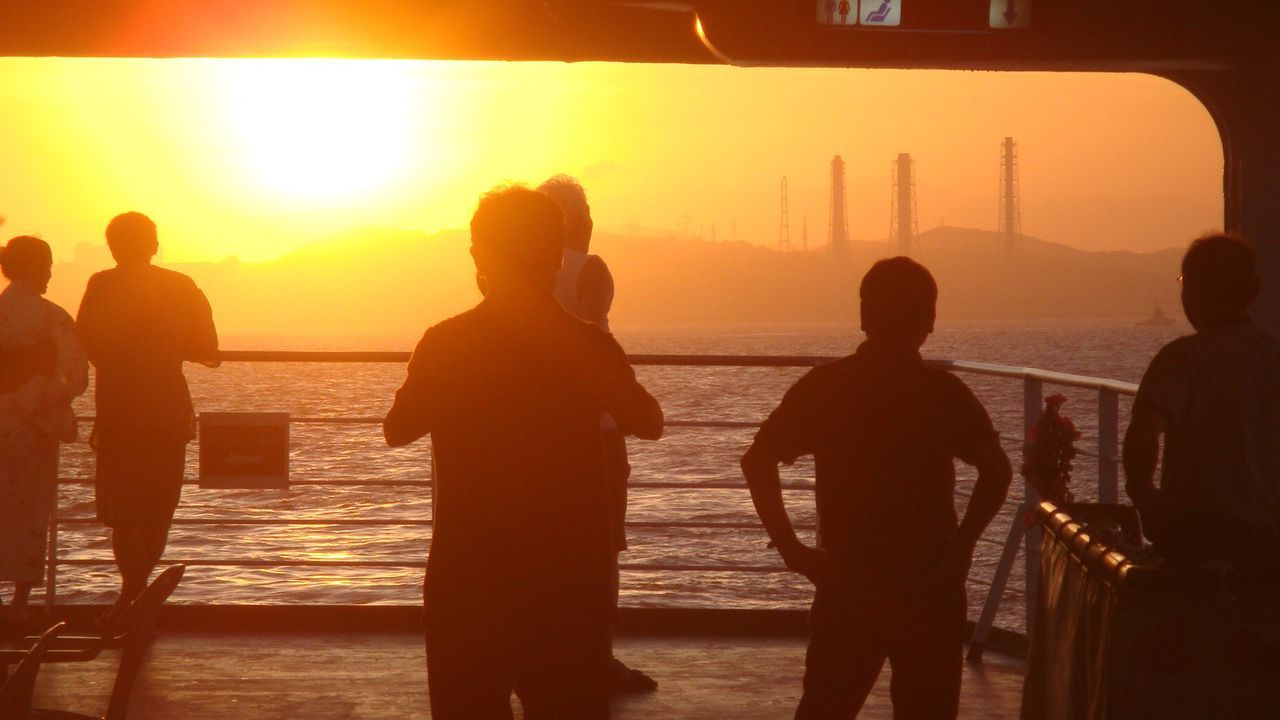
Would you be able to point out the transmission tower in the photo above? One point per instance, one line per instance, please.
(804, 233)
(784, 224)
(903, 226)
(838, 228)
(1010, 205)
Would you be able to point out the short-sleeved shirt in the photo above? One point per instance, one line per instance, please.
(884, 429)
(139, 324)
(1219, 394)
(511, 393)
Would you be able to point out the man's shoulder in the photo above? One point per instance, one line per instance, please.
(455, 327)
(151, 274)
(944, 378)
(173, 278)
(1178, 351)
(841, 371)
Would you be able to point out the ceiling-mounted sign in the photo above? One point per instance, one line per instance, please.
(1009, 14)
(837, 12)
(880, 12)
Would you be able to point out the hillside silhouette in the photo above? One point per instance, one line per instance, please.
(385, 281)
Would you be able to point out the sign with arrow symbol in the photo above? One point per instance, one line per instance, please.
(1009, 14)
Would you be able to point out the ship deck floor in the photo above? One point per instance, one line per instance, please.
(357, 676)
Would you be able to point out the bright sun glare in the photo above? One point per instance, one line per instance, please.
(323, 129)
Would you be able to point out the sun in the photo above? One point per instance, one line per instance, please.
(322, 130)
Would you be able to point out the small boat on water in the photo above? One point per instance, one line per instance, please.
(1157, 319)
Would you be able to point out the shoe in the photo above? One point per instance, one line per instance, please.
(625, 681)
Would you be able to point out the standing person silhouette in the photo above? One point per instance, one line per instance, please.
(884, 429)
(584, 287)
(139, 324)
(42, 368)
(516, 594)
(1215, 398)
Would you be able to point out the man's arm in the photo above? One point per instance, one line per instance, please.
(989, 493)
(202, 335)
(1141, 455)
(639, 413)
(791, 430)
(761, 470)
(1161, 514)
(632, 407)
(410, 416)
(1162, 399)
(88, 322)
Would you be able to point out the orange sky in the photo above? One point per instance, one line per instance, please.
(255, 158)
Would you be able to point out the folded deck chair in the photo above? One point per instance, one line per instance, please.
(15, 693)
(131, 631)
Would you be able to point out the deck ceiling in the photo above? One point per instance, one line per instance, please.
(1142, 35)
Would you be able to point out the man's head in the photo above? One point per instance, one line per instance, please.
(1219, 281)
(517, 238)
(572, 199)
(27, 259)
(132, 238)
(899, 302)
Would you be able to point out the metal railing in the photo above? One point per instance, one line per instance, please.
(1033, 382)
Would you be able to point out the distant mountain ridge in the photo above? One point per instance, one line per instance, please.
(395, 281)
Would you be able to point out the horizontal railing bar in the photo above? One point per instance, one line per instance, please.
(714, 424)
(427, 484)
(361, 356)
(217, 562)
(418, 565)
(709, 486)
(797, 361)
(282, 563)
(295, 483)
(1047, 376)
(360, 522)
(367, 522)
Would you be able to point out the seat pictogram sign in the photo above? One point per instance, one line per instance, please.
(880, 12)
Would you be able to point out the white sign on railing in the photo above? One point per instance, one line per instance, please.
(244, 450)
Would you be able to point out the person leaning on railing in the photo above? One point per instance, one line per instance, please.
(1215, 397)
(884, 429)
(140, 323)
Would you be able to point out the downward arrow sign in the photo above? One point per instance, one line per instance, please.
(1010, 12)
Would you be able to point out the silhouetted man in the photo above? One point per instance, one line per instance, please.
(584, 287)
(517, 587)
(139, 323)
(884, 429)
(1215, 396)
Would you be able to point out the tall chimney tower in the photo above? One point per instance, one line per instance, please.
(903, 227)
(1010, 206)
(784, 224)
(838, 230)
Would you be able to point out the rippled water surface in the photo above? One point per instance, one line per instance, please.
(345, 452)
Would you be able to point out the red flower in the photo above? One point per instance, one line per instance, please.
(1049, 450)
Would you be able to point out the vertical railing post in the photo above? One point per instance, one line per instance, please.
(1108, 446)
(1032, 406)
(51, 561)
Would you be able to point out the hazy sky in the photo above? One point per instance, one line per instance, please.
(255, 158)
